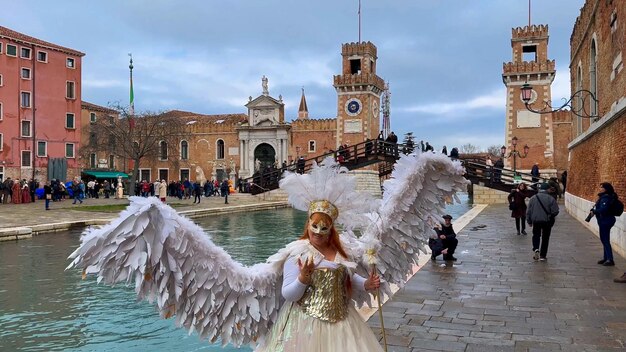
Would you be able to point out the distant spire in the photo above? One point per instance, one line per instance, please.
(303, 110)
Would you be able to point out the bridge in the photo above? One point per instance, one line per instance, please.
(384, 155)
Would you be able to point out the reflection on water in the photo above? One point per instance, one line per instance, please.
(44, 308)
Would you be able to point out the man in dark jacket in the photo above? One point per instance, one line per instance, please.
(542, 210)
(225, 190)
(446, 241)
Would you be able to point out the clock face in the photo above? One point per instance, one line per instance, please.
(353, 107)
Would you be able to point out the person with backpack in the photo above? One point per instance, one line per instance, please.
(607, 207)
(540, 215)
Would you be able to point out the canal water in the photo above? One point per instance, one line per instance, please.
(44, 308)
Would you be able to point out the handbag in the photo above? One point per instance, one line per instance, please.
(48, 196)
(512, 206)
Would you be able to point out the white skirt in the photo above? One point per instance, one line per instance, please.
(295, 331)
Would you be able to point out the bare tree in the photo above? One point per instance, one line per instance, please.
(469, 148)
(140, 137)
(494, 150)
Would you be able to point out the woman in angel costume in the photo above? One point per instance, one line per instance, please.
(303, 297)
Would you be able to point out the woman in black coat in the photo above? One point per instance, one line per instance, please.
(517, 204)
(606, 220)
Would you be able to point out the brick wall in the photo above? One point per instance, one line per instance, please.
(484, 195)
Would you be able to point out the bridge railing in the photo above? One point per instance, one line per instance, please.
(352, 157)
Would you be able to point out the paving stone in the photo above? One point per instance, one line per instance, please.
(497, 298)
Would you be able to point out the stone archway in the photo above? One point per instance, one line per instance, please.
(266, 156)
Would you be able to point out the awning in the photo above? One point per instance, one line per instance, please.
(105, 174)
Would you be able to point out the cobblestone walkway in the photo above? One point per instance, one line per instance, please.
(497, 298)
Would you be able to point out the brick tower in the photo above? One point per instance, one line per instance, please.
(358, 94)
(530, 65)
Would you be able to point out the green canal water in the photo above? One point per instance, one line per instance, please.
(44, 308)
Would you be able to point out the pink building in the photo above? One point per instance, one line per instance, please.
(40, 108)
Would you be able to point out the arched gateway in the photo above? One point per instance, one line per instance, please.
(264, 155)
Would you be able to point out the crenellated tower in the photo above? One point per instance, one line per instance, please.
(530, 65)
(358, 94)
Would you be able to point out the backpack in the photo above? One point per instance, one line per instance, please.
(616, 208)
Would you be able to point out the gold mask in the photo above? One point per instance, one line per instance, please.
(320, 228)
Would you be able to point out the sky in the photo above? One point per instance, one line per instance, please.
(442, 58)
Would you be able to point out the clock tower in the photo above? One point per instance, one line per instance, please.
(530, 65)
(358, 94)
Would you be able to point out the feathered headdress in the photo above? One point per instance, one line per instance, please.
(329, 189)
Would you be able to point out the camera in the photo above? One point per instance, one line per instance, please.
(588, 218)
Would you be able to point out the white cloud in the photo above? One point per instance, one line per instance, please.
(494, 100)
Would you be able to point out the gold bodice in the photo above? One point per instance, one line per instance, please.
(326, 298)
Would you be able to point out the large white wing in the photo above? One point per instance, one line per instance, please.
(413, 202)
(174, 262)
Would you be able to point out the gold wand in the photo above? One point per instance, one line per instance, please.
(380, 310)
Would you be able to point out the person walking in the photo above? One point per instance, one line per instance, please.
(542, 210)
(517, 205)
(107, 188)
(555, 189)
(564, 180)
(534, 172)
(225, 190)
(47, 194)
(197, 192)
(444, 151)
(162, 193)
(606, 220)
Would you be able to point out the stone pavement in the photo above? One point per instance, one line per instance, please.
(34, 215)
(497, 298)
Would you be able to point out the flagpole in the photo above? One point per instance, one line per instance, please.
(359, 21)
(131, 108)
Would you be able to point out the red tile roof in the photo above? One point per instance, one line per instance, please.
(25, 39)
(93, 107)
(201, 118)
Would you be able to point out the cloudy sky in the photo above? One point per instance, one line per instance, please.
(442, 58)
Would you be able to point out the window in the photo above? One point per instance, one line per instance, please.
(111, 161)
(1, 81)
(69, 121)
(593, 60)
(163, 150)
(311, 146)
(184, 150)
(1, 141)
(25, 99)
(42, 56)
(70, 62)
(0, 48)
(69, 150)
(355, 66)
(613, 21)
(25, 53)
(529, 53)
(618, 65)
(92, 160)
(42, 148)
(1, 112)
(26, 158)
(25, 128)
(11, 50)
(220, 149)
(92, 117)
(25, 73)
(69, 91)
(164, 174)
(184, 174)
(145, 174)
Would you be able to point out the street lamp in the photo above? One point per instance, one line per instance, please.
(514, 153)
(577, 109)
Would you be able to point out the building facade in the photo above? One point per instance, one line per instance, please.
(236, 145)
(546, 135)
(40, 107)
(597, 47)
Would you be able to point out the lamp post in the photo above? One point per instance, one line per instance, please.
(582, 96)
(514, 153)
